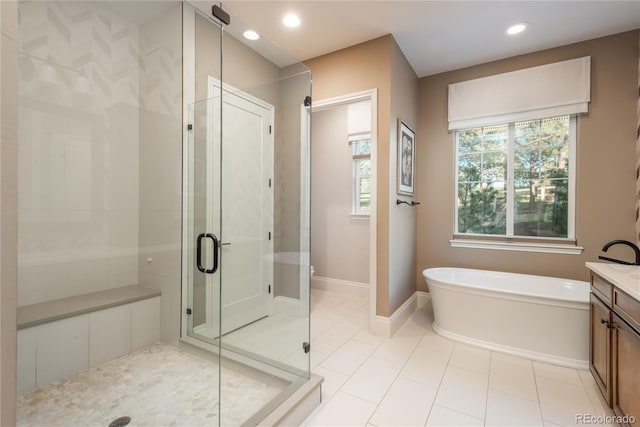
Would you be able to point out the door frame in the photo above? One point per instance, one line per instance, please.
(327, 104)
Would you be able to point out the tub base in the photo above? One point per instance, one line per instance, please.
(512, 351)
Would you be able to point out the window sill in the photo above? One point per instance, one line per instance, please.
(359, 217)
(550, 248)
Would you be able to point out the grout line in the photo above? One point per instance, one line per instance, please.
(486, 402)
(396, 377)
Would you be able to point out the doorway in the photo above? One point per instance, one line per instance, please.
(343, 229)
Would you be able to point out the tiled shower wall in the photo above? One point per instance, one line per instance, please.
(78, 154)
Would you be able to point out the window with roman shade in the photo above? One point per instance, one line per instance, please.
(515, 136)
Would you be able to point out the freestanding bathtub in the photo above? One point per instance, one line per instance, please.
(540, 318)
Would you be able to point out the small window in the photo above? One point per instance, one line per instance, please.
(361, 194)
(517, 179)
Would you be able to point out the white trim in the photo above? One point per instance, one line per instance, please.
(342, 286)
(528, 354)
(423, 298)
(387, 326)
(551, 248)
(511, 197)
(359, 217)
(372, 95)
(573, 161)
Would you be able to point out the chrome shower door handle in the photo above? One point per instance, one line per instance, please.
(201, 267)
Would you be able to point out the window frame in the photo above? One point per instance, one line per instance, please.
(356, 212)
(509, 241)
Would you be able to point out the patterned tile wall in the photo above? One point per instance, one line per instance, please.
(78, 172)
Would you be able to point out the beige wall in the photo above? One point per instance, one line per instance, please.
(362, 67)
(340, 244)
(8, 209)
(402, 218)
(605, 187)
(380, 64)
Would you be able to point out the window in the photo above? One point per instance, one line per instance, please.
(517, 179)
(361, 152)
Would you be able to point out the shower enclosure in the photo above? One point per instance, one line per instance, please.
(246, 201)
(162, 153)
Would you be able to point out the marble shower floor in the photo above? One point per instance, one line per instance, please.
(159, 385)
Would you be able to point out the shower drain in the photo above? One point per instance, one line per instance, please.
(120, 422)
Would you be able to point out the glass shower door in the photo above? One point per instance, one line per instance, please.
(232, 211)
(204, 220)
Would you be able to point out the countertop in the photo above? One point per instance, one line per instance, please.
(624, 277)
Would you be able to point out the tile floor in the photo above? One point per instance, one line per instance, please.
(418, 378)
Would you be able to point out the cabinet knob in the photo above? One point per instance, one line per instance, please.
(606, 323)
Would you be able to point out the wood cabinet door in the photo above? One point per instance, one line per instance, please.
(600, 346)
(626, 370)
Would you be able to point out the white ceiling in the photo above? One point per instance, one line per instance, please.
(436, 36)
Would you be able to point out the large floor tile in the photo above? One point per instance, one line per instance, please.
(407, 403)
(558, 373)
(332, 381)
(441, 417)
(348, 358)
(508, 410)
(334, 337)
(425, 367)
(463, 391)
(512, 375)
(397, 348)
(561, 402)
(343, 410)
(470, 358)
(372, 380)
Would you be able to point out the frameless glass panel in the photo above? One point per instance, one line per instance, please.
(204, 220)
(260, 291)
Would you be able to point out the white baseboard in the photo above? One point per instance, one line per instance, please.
(338, 285)
(387, 326)
(423, 298)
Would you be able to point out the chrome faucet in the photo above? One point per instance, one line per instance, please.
(621, 242)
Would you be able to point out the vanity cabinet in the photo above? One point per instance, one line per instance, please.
(600, 346)
(614, 347)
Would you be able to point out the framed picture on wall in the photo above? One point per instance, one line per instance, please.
(406, 159)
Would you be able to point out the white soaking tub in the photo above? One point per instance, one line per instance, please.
(537, 317)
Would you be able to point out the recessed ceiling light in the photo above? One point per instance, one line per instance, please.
(517, 28)
(251, 35)
(291, 20)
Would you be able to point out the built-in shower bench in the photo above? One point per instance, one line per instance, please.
(62, 337)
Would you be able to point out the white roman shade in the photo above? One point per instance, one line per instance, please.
(558, 89)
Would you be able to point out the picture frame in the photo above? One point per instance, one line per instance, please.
(406, 159)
